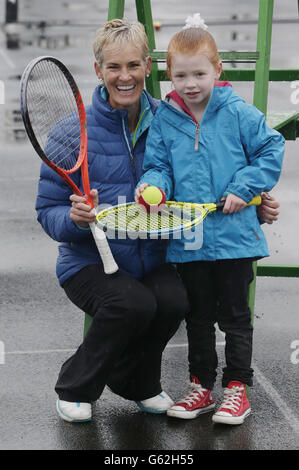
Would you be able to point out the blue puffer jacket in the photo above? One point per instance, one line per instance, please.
(233, 151)
(114, 168)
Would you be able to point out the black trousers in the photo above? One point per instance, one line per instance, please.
(218, 292)
(132, 323)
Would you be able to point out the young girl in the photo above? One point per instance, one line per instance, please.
(206, 144)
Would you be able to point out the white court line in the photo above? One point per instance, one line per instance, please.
(184, 345)
(272, 393)
(268, 388)
(7, 59)
(47, 351)
(38, 351)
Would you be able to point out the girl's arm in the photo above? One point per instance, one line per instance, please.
(156, 166)
(264, 149)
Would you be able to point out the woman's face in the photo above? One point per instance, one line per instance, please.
(123, 71)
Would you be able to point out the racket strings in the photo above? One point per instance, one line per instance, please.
(65, 154)
(132, 218)
(54, 114)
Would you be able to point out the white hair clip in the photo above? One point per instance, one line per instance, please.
(195, 21)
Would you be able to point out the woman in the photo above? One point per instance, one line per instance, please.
(136, 310)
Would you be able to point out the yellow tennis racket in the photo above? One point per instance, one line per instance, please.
(132, 219)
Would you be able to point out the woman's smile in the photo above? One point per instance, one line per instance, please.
(125, 89)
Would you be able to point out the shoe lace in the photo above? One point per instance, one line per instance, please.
(232, 398)
(192, 397)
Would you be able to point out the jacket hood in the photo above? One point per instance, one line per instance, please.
(221, 96)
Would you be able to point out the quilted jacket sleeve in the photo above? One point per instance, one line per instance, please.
(53, 208)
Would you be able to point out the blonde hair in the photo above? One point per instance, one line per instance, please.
(120, 31)
(192, 40)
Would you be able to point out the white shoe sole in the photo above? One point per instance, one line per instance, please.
(68, 418)
(156, 405)
(189, 414)
(231, 419)
(146, 409)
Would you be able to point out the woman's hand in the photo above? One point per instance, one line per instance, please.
(82, 213)
(139, 191)
(269, 209)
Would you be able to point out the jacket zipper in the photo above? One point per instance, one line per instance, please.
(197, 137)
(132, 161)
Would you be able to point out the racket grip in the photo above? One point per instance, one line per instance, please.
(103, 247)
(256, 201)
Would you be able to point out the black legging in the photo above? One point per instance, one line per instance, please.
(218, 292)
(132, 323)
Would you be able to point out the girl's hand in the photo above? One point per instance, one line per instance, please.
(139, 191)
(233, 203)
(81, 212)
(269, 210)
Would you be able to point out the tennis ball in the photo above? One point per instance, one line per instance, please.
(157, 25)
(152, 198)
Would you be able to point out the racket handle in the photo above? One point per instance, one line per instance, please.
(256, 201)
(100, 239)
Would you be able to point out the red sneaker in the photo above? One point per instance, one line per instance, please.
(235, 406)
(199, 400)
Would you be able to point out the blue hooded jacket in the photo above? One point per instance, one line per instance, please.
(232, 151)
(114, 169)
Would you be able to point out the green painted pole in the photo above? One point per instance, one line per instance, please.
(264, 35)
(260, 99)
(87, 323)
(144, 15)
(116, 9)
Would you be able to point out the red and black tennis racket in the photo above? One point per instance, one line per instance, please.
(55, 122)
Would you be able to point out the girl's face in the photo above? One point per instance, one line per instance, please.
(123, 71)
(193, 77)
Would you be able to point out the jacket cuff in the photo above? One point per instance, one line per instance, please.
(86, 229)
(238, 191)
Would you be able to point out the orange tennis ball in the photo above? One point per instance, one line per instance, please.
(152, 198)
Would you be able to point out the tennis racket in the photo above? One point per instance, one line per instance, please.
(132, 219)
(55, 121)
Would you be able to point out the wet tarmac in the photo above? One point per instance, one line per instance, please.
(40, 328)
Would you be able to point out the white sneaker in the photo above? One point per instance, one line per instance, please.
(73, 412)
(158, 404)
